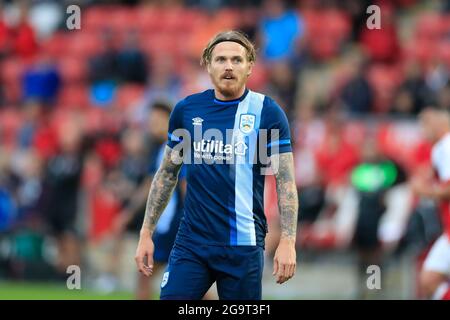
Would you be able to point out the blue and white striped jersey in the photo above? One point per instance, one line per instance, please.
(226, 145)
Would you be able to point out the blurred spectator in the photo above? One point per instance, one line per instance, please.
(29, 190)
(437, 76)
(62, 183)
(131, 61)
(164, 84)
(357, 11)
(310, 132)
(281, 86)
(335, 156)
(133, 164)
(32, 119)
(357, 94)
(415, 84)
(403, 104)
(103, 66)
(46, 16)
(248, 22)
(372, 179)
(7, 201)
(23, 35)
(41, 81)
(443, 98)
(5, 36)
(281, 29)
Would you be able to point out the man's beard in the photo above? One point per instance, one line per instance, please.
(229, 91)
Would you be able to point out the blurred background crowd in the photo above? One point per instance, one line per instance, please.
(78, 125)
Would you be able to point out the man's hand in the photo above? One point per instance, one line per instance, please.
(144, 252)
(285, 260)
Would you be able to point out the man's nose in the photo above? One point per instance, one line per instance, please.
(228, 65)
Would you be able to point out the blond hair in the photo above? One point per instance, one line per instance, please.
(233, 36)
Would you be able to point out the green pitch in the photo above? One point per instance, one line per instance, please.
(46, 291)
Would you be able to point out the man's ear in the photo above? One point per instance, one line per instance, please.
(250, 69)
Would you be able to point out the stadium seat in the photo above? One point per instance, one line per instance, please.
(97, 17)
(128, 94)
(82, 44)
(430, 26)
(423, 51)
(444, 52)
(149, 19)
(10, 122)
(73, 69)
(324, 40)
(74, 96)
(55, 46)
(11, 70)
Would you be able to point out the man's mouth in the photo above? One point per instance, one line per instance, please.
(228, 77)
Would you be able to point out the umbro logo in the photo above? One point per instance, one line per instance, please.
(197, 121)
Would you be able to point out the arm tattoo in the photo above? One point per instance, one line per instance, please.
(162, 187)
(287, 194)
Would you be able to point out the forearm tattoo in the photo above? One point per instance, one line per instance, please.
(287, 194)
(162, 187)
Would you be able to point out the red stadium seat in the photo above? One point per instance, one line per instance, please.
(160, 44)
(149, 19)
(444, 52)
(94, 119)
(73, 69)
(430, 26)
(324, 40)
(121, 18)
(11, 70)
(128, 94)
(55, 46)
(96, 17)
(74, 96)
(10, 122)
(82, 44)
(423, 51)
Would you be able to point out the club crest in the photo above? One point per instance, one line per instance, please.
(247, 122)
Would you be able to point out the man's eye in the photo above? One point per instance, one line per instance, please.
(237, 60)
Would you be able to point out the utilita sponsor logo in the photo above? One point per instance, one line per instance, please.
(206, 148)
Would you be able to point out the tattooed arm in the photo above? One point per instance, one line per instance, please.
(161, 190)
(285, 255)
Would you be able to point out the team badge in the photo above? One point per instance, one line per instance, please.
(247, 122)
(165, 279)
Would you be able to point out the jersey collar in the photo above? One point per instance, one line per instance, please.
(230, 102)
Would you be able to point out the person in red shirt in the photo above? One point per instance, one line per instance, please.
(435, 275)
